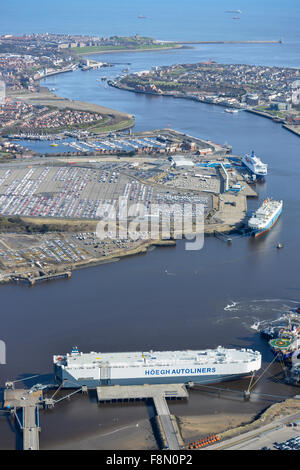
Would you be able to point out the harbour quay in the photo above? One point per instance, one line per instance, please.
(50, 207)
(28, 402)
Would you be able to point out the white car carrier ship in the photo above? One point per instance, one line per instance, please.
(130, 368)
(265, 217)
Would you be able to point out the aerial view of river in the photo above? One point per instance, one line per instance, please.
(169, 298)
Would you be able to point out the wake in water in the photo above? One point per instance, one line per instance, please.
(258, 313)
(169, 274)
(231, 307)
(256, 326)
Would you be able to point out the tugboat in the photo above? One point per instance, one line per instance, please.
(286, 342)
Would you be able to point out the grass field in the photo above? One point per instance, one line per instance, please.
(134, 47)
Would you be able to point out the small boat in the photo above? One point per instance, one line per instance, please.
(54, 145)
(279, 245)
(231, 110)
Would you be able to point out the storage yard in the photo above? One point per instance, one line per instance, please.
(75, 193)
(24, 258)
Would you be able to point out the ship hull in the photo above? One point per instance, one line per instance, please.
(281, 355)
(253, 172)
(67, 381)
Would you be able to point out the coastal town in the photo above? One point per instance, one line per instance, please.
(151, 167)
(26, 59)
(29, 110)
(264, 90)
(57, 44)
(20, 117)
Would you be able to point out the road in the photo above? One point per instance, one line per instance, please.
(265, 436)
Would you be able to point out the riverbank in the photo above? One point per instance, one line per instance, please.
(293, 129)
(116, 256)
(113, 120)
(228, 426)
(9, 276)
(179, 95)
(171, 94)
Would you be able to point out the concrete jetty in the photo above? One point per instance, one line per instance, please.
(45, 277)
(28, 402)
(276, 41)
(166, 422)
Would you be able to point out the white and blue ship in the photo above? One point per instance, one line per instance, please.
(255, 165)
(133, 368)
(265, 217)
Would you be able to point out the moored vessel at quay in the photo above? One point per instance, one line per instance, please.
(284, 337)
(131, 368)
(265, 216)
(231, 110)
(255, 165)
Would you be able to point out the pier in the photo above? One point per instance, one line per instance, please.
(24, 405)
(166, 422)
(279, 41)
(45, 277)
(28, 402)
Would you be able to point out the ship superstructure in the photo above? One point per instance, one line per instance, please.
(131, 368)
(255, 165)
(265, 217)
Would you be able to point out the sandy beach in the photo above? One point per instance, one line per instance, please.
(136, 436)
